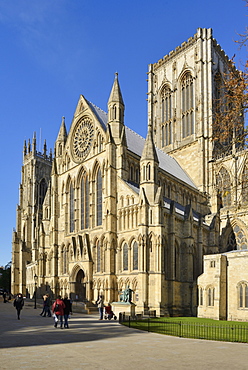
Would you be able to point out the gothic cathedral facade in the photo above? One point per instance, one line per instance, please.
(111, 209)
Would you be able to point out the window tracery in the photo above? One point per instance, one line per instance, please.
(187, 101)
(85, 212)
(125, 257)
(99, 198)
(72, 209)
(166, 115)
(135, 256)
(223, 183)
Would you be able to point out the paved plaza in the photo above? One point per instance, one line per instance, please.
(33, 343)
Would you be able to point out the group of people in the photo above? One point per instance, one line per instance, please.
(61, 308)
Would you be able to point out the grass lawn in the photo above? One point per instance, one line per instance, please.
(193, 327)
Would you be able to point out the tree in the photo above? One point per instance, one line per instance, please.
(5, 277)
(231, 105)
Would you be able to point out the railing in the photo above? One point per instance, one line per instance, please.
(219, 332)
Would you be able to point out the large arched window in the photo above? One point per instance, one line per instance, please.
(135, 256)
(42, 191)
(223, 183)
(72, 209)
(85, 211)
(125, 257)
(187, 101)
(99, 198)
(166, 115)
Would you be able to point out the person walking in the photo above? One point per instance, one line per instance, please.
(47, 306)
(44, 302)
(18, 304)
(5, 297)
(100, 306)
(67, 310)
(58, 311)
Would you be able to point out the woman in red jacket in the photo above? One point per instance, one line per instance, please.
(58, 310)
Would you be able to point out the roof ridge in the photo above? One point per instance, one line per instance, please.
(96, 106)
(135, 132)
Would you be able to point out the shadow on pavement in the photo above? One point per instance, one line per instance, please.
(34, 330)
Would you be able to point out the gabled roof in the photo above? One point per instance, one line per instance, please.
(100, 114)
(135, 143)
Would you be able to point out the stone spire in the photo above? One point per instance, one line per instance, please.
(62, 135)
(61, 139)
(116, 111)
(115, 95)
(149, 151)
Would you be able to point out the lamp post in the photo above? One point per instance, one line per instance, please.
(35, 290)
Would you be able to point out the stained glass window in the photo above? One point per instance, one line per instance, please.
(99, 198)
(72, 220)
(84, 203)
(125, 257)
(135, 256)
(187, 105)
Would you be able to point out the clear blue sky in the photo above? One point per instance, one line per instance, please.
(54, 50)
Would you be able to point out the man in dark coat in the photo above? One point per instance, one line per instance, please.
(18, 304)
(67, 310)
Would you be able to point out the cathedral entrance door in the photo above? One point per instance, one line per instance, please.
(80, 290)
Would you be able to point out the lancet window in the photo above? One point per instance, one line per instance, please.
(135, 256)
(223, 183)
(187, 101)
(72, 209)
(166, 102)
(210, 297)
(125, 257)
(243, 295)
(42, 191)
(99, 198)
(85, 212)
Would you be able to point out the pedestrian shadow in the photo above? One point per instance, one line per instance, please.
(34, 330)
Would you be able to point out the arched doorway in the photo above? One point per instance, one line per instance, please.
(80, 288)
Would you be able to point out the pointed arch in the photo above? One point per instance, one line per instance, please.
(42, 191)
(84, 201)
(135, 250)
(125, 257)
(97, 177)
(166, 114)
(187, 103)
(223, 183)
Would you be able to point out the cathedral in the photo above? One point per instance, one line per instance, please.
(110, 209)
